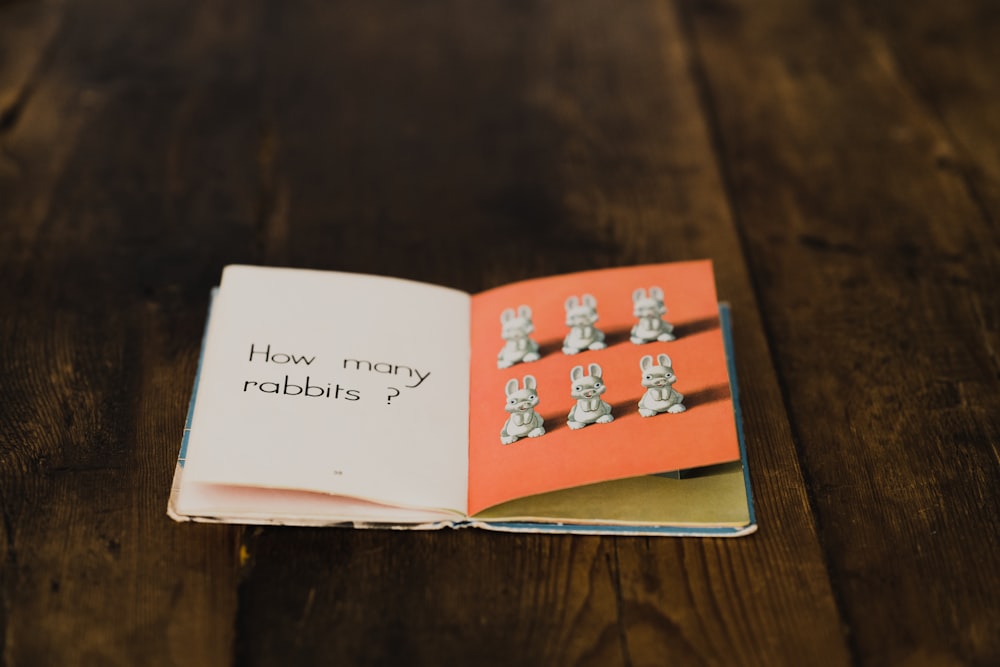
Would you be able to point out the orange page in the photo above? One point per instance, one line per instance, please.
(629, 445)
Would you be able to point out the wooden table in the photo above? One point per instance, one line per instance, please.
(838, 161)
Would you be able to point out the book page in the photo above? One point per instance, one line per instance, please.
(344, 384)
(708, 497)
(609, 437)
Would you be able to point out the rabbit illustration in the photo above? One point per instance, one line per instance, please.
(515, 329)
(657, 378)
(580, 318)
(523, 420)
(650, 311)
(587, 390)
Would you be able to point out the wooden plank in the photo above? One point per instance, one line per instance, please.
(945, 55)
(132, 168)
(473, 145)
(859, 155)
(26, 35)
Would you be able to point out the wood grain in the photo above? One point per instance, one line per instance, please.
(837, 161)
(594, 140)
(101, 299)
(890, 375)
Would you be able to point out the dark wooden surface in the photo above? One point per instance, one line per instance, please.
(839, 161)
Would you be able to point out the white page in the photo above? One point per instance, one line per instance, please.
(396, 431)
(241, 504)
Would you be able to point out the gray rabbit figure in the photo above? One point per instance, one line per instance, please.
(580, 318)
(650, 311)
(523, 420)
(587, 390)
(660, 396)
(515, 329)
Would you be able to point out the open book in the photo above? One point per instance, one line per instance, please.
(595, 402)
